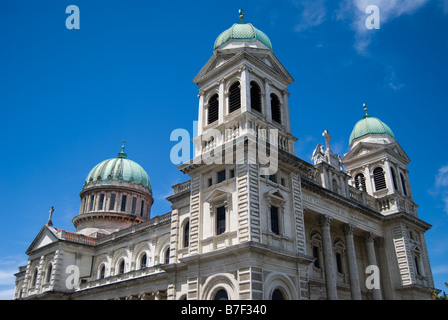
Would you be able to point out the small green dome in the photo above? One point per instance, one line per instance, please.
(369, 125)
(119, 168)
(242, 32)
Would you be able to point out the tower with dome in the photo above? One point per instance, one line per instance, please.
(255, 226)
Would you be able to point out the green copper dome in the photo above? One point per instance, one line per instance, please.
(242, 32)
(369, 125)
(119, 168)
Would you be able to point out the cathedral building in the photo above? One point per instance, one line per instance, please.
(251, 220)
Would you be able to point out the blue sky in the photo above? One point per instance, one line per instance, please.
(68, 97)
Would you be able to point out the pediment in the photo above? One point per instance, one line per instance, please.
(221, 61)
(47, 235)
(217, 195)
(367, 149)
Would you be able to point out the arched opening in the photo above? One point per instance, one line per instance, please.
(403, 184)
(221, 295)
(234, 97)
(48, 273)
(277, 295)
(213, 109)
(102, 272)
(187, 234)
(360, 182)
(379, 179)
(143, 261)
(121, 266)
(275, 108)
(255, 96)
(167, 256)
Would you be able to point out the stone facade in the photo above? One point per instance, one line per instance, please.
(240, 229)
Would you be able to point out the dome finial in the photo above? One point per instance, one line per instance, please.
(365, 109)
(241, 12)
(122, 154)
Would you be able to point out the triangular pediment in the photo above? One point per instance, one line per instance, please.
(217, 195)
(221, 61)
(365, 150)
(47, 235)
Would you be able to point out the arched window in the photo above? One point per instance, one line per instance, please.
(121, 267)
(213, 109)
(187, 234)
(234, 97)
(221, 295)
(277, 295)
(102, 272)
(379, 179)
(34, 280)
(167, 256)
(255, 96)
(48, 273)
(394, 178)
(360, 182)
(143, 261)
(403, 184)
(275, 108)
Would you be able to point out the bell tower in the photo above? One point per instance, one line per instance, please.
(243, 89)
(378, 166)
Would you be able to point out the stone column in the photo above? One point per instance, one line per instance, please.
(267, 103)
(371, 260)
(330, 274)
(221, 102)
(355, 288)
(201, 112)
(245, 89)
(389, 180)
(286, 119)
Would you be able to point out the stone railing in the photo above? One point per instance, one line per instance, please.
(121, 277)
(180, 187)
(78, 238)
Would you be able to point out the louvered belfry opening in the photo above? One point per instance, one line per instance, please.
(360, 182)
(255, 96)
(275, 108)
(213, 109)
(234, 97)
(380, 180)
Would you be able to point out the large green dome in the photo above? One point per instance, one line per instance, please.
(242, 32)
(119, 168)
(369, 125)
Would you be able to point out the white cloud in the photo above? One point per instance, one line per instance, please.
(6, 294)
(313, 13)
(392, 81)
(354, 11)
(440, 189)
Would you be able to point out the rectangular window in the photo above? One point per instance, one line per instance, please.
(339, 262)
(92, 200)
(221, 176)
(141, 208)
(100, 205)
(220, 220)
(123, 203)
(274, 220)
(232, 174)
(112, 201)
(134, 205)
(210, 182)
(316, 256)
(272, 178)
